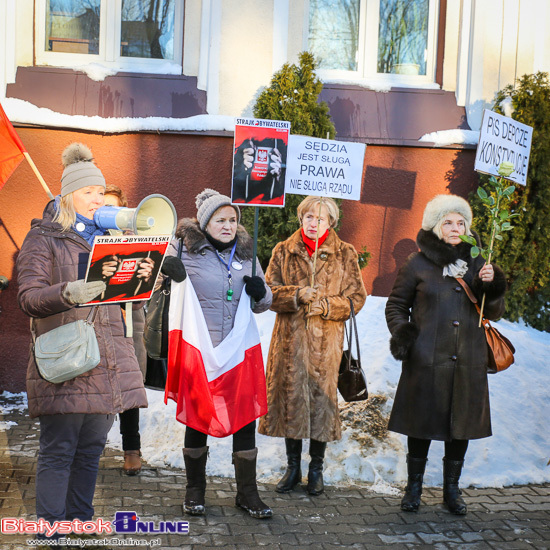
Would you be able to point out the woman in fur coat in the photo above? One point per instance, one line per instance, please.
(306, 346)
(443, 391)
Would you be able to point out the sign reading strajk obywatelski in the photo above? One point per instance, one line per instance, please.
(324, 167)
(503, 139)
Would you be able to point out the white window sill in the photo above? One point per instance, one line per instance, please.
(379, 83)
(98, 71)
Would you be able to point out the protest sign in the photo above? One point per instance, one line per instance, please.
(119, 261)
(503, 139)
(259, 162)
(324, 168)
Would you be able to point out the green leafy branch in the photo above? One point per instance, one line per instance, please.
(497, 201)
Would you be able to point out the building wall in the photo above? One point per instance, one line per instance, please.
(246, 53)
(503, 40)
(398, 181)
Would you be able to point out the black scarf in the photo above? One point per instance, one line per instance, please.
(218, 245)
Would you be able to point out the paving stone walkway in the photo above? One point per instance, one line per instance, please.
(510, 518)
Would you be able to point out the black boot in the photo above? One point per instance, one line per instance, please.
(451, 493)
(195, 470)
(247, 490)
(315, 484)
(413, 490)
(293, 474)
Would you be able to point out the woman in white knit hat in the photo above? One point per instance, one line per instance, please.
(76, 415)
(217, 256)
(443, 392)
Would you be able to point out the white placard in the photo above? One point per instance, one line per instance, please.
(324, 167)
(503, 139)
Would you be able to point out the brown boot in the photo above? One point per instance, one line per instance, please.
(132, 462)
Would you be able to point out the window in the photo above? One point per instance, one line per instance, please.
(134, 35)
(385, 39)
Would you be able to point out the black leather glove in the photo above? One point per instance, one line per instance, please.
(254, 287)
(173, 267)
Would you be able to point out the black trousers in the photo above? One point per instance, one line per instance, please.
(129, 429)
(243, 440)
(454, 449)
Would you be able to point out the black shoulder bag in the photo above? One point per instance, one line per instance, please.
(352, 383)
(155, 334)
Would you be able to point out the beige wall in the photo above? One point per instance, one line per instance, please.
(246, 53)
(191, 37)
(507, 39)
(24, 52)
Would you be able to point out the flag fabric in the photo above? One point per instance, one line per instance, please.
(11, 148)
(218, 390)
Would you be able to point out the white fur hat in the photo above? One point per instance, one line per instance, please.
(440, 206)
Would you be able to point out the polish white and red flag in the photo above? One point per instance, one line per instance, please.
(218, 390)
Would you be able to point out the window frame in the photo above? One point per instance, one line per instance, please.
(369, 11)
(110, 32)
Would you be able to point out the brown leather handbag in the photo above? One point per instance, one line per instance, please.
(501, 350)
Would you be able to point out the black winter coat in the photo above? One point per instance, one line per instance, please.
(443, 391)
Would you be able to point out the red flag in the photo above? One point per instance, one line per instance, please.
(11, 148)
(217, 390)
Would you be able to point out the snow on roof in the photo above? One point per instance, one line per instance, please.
(24, 112)
(450, 137)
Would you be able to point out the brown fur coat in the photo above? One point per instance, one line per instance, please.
(302, 367)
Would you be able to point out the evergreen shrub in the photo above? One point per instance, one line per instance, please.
(292, 96)
(524, 252)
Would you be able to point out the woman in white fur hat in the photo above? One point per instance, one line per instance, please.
(443, 392)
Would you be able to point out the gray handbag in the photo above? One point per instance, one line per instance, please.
(67, 351)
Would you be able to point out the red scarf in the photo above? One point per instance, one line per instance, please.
(310, 243)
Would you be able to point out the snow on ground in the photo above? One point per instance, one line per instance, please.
(517, 452)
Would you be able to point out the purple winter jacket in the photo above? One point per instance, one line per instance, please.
(49, 259)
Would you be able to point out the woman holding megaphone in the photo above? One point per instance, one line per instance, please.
(76, 415)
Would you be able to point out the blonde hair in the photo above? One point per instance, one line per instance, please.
(66, 213)
(439, 225)
(309, 202)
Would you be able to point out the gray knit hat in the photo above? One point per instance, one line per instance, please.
(208, 201)
(440, 206)
(80, 170)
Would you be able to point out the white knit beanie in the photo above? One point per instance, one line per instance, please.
(207, 202)
(80, 170)
(440, 206)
